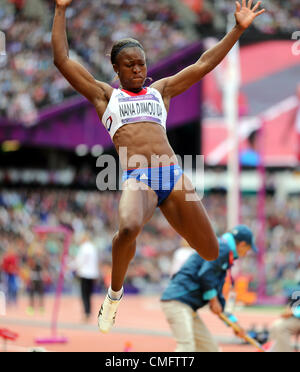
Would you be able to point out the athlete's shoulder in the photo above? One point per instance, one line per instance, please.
(159, 85)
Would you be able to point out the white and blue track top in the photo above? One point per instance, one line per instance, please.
(127, 108)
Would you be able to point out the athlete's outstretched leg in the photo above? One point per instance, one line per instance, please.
(135, 209)
(186, 214)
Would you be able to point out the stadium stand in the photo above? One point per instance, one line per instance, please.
(22, 209)
(30, 81)
(282, 17)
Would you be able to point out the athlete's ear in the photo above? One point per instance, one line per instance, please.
(116, 68)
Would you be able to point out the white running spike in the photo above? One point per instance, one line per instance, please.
(107, 314)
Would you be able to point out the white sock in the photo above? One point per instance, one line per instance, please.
(115, 295)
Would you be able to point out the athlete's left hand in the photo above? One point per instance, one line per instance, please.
(244, 15)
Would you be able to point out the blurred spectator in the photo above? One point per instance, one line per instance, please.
(10, 267)
(86, 267)
(287, 326)
(37, 270)
(18, 4)
(180, 256)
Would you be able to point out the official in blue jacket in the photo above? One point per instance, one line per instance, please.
(199, 283)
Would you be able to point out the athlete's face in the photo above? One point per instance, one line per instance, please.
(131, 68)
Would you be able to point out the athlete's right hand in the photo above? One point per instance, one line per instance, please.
(63, 3)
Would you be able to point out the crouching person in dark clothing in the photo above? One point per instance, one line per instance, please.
(197, 284)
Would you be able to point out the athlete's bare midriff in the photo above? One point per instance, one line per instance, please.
(146, 139)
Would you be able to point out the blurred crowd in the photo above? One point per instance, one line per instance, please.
(281, 239)
(97, 213)
(94, 212)
(281, 17)
(29, 81)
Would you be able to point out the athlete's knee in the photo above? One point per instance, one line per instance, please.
(130, 230)
(210, 257)
(208, 250)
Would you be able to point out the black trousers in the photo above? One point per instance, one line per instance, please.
(36, 287)
(86, 294)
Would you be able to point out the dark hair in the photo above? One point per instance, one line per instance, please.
(122, 44)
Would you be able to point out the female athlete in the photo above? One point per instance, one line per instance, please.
(135, 118)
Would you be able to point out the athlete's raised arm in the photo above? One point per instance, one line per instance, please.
(80, 79)
(179, 83)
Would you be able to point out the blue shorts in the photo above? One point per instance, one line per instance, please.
(162, 180)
